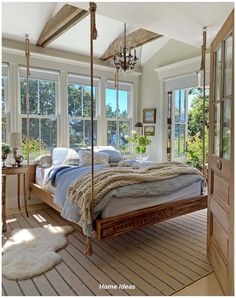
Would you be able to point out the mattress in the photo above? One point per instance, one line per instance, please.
(40, 178)
(117, 206)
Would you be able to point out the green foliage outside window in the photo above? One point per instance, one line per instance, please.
(195, 129)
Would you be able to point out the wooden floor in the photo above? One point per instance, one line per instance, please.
(206, 286)
(159, 260)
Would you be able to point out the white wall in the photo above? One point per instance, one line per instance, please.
(151, 88)
(13, 54)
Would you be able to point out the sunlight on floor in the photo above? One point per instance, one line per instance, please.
(39, 218)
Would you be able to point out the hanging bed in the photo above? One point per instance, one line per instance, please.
(122, 213)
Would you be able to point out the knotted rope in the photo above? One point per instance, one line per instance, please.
(93, 36)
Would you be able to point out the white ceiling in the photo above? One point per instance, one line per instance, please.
(181, 21)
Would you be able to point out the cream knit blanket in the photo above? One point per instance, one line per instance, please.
(110, 178)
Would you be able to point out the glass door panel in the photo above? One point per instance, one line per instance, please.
(228, 66)
(226, 129)
(217, 130)
(218, 67)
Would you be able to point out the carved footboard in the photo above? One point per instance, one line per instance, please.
(115, 225)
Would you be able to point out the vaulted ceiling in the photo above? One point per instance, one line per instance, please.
(181, 21)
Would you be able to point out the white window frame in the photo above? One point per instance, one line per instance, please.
(173, 123)
(84, 81)
(123, 86)
(40, 75)
(6, 114)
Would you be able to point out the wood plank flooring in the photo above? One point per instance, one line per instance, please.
(158, 260)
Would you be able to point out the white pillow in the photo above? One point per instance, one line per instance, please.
(61, 155)
(44, 161)
(85, 158)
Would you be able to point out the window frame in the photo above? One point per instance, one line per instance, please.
(84, 81)
(174, 123)
(123, 86)
(40, 74)
(6, 114)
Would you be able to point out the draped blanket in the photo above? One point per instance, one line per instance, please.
(109, 178)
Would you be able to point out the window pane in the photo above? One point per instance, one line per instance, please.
(217, 130)
(76, 134)
(48, 134)
(218, 74)
(123, 104)
(182, 107)
(33, 99)
(227, 129)
(111, 133)
(124, 129)
(34, 141)
(110, 103)
(47, 97)
(177, 106)
(87, 132)
(3, 95)
(75, 100)
(228, 66)
(79, 97)
(182, 139)
(86, 110)
(4, 129)
(179, 140)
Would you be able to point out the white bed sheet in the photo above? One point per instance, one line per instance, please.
(117, 206)
(41, 177)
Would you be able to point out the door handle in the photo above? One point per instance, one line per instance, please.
(219, 164)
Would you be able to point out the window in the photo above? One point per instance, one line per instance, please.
(180, 122)
(42, 111)
(79, 96)
(118, 115)
(5, 115)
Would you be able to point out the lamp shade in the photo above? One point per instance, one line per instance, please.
(138, 124)
(15, 139)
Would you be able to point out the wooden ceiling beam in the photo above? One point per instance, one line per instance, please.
(134, 39)
(63, 20)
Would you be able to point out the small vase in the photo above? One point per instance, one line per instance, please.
(142, 157)
(4, 157)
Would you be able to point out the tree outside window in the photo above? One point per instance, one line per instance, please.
(42, 111)
(79, 110)
(118, 122)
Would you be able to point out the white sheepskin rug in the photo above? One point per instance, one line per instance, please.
(31, 252)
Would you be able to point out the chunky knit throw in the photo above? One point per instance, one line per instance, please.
(109, 178)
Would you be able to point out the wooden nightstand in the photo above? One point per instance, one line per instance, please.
(18, 171)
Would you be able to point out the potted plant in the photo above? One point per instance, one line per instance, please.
(5, 151)
(140, 144)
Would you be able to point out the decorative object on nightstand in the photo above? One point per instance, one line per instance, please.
(149, 130)
(140, 145)
(24, 170)
(5, 151)
(149, 116)
(16, 142)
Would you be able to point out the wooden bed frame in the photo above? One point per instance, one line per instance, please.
(115, 225)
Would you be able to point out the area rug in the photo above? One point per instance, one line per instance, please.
(31, 252)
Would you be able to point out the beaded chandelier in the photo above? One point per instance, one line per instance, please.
(126, 58)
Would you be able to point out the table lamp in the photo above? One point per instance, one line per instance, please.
(139, 127)
(16, 142)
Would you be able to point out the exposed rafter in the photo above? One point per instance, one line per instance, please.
(134, 39)
(63, 20)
